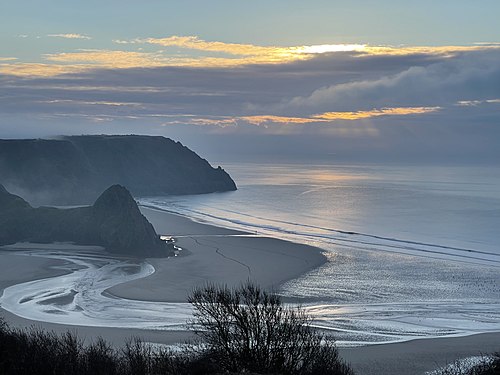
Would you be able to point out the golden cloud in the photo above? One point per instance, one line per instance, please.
(282, 53)
(322, 117)
(209, 54)
(193, 42)
(40, 70)
(109, 58)
(359, 115)
(431, 50)
(84, 60)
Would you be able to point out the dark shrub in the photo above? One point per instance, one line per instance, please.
(250, 330)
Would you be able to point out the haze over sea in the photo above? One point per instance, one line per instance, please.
(413, 250)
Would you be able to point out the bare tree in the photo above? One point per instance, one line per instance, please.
(249, 329)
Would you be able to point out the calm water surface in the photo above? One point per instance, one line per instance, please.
(413, 251)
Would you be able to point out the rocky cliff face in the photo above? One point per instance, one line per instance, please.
(74, 170)
(118, 223)
(114, 222)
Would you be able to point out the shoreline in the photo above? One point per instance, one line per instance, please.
(216, 255)
(413, 356)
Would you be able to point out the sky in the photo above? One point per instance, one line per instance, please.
(262, 80)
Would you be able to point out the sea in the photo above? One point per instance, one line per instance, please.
(413, 251)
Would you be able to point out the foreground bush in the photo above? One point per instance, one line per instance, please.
(249, 330)
(488, 365)
(33, 351)
(245, 330)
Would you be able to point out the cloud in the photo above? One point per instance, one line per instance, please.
(108, 58)
(8, 58)
(431, 50)
(327, 117)
(375, 101)
(358, 115)
(297, 52)
(81, 102)
(237, 49)
(267, 119)
(40, 70)
(339, 116)
(82, 61)
(468, 76)
(475, 103)
(70, 36)
(199, 53)
(255, 54)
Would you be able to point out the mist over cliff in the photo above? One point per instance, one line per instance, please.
(74, 170)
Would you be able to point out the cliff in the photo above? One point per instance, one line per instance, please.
(114, 222)
(74, 170)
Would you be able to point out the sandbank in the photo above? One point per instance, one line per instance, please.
(15, 269)
(216, 255)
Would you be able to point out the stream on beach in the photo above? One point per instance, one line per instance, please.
(412, 252)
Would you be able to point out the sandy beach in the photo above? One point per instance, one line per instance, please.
(216, 255)
(212, 254)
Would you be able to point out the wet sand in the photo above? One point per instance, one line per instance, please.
(216, 255)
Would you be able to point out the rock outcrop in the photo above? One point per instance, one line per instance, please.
(114, 222)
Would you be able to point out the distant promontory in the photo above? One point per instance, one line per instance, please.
(74, 170)
(114, 222)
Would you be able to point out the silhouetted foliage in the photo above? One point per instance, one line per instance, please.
(34, 351)
(488, 365)
(247, 329)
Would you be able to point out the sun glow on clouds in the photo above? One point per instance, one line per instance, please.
(202, 54)
(193, 42)
(318, 118)
(41, 70)
(109, 59)
(358, 115)
(328, 48)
